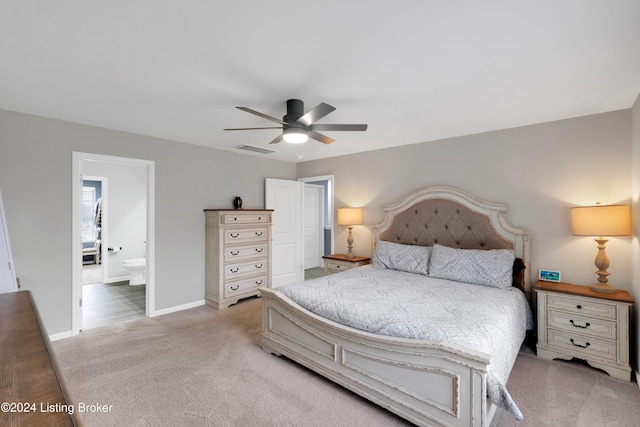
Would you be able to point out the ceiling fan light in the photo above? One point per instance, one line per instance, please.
(295, 136)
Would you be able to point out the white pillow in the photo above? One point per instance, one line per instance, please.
(396, 256)
(480, 267)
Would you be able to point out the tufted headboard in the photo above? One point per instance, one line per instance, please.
(452, 217)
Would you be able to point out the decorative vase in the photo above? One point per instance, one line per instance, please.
(237, 202)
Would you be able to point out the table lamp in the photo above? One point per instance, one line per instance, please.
(350, 217)
(601, 220)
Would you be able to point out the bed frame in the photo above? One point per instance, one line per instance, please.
(426, 382)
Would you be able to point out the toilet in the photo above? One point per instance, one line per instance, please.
(136, 266)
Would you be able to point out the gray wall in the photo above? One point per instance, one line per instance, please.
(541, 170)
(36, 151)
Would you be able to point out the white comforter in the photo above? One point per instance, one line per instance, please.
(407, 305)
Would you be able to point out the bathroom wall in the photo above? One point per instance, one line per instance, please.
(126, 216)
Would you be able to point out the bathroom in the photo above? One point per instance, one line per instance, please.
(117, 291)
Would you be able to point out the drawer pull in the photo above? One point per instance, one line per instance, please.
(234, 252)
(259, 250)
(234, 235)
(234, 270)
(259, 282)
(258, 265)
(259, 233)
(586, 325)
(578, 345)
(234, 287)
(578, 306)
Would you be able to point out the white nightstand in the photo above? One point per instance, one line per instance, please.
(574, 321)
(338, 262)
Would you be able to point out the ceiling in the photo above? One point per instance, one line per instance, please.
(414, 71)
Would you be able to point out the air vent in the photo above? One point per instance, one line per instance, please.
(255, 149)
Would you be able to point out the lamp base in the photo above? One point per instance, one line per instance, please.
(604, 288)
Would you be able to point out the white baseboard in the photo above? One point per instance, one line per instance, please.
(60, 335)
(67, 334)
(177, 308)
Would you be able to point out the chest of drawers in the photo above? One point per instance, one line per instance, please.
(237, 255)
(574, 321)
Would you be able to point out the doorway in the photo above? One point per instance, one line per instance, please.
(130, 235)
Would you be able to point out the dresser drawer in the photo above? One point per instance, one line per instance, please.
(582, 346)
(243, 286)
(248, 218)
(240, 253)
(245, 235)
(582, 306)
(583, 325)
(247, 268)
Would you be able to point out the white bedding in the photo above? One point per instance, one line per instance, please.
(408, 305)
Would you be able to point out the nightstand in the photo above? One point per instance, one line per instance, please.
(337, 262)
(574, 321)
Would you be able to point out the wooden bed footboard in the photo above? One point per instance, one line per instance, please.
(426, 382)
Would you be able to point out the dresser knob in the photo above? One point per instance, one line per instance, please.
(578, 306)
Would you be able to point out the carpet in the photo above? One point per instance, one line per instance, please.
(203, 367)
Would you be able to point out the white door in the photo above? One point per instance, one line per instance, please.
(286, 198)
(313, 225)
(7, 273)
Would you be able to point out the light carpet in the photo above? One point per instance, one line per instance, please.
(203, 367)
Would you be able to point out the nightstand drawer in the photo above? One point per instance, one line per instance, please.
(582, 306)
(337, 265)
(581, 324)
(582, 345)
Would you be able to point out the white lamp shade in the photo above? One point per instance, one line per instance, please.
(349, 216)
(601, 220)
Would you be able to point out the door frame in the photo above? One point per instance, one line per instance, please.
(78, 158)
(330, 198)
(104, 234)
(320, 225)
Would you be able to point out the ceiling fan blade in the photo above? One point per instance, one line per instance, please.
(276, 139)
(316, 114)
(320, 137)
(325, 127)
(257, 113)
(271, 127)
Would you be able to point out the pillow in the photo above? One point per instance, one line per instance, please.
(479, 267)
(396, 256)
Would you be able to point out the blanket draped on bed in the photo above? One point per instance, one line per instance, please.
(407, 305)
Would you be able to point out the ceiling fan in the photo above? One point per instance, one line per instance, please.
(297, 126)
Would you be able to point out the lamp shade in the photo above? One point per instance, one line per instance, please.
(294, 135)
(601, 220)
(349, 216)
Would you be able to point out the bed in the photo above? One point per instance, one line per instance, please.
(444, 375)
